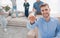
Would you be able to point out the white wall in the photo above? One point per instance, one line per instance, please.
(5, 2)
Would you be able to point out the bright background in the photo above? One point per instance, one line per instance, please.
(54, 5)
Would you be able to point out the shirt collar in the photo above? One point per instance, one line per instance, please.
(45, 20)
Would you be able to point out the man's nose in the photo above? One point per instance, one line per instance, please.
(44, 11)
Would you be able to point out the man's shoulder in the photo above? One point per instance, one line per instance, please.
(54, 18)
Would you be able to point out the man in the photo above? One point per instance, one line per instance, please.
(14, 7)
(36, 7)
(26, 6)
(48, 27)
(3, 20)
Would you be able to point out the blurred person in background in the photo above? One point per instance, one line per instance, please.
(3, 20)
(14, 8)
(26, 6)
(36, 7)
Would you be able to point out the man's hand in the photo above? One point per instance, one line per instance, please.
(32, 18)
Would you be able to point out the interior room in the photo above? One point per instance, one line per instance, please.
(17, 22)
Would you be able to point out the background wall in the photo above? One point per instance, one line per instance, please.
(54, 5)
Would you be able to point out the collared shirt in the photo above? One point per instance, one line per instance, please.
(3, 20)
(50, 29)
(36, 6)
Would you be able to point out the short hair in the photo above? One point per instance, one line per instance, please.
(43, 5)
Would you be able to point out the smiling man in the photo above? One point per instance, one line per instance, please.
(48, 27)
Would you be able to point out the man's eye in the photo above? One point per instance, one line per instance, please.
(46, 9)
(42, 10)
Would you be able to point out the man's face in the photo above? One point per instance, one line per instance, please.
(45, 11)
(37, 0)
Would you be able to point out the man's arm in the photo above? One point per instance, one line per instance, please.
(32, 26)
(28, 4)
(32, 22)
(58, 30)
(33, 10)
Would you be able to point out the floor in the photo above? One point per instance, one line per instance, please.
(14, 32)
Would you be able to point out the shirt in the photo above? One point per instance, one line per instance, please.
(50, 29)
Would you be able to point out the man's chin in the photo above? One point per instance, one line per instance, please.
(45, 16)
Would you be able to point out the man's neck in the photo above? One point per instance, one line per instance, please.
(47, 19)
